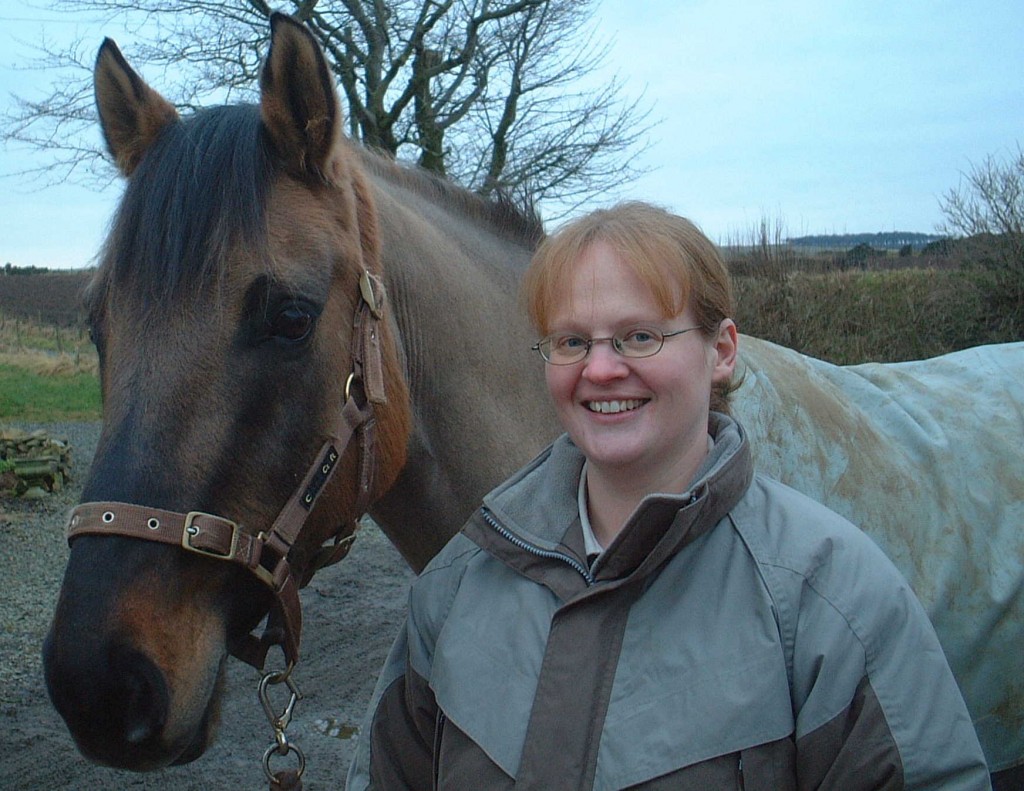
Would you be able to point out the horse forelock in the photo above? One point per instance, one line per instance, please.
(200, 189)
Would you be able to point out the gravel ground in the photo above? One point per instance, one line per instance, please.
(351, 613)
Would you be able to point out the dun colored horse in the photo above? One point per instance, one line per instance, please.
(293, 331)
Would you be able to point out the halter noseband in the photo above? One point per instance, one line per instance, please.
(266, 554)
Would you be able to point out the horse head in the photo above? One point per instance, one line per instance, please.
(237, 269)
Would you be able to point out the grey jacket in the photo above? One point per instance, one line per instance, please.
(737, 636)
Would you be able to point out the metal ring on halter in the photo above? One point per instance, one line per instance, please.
(288, 748)
(348, 384)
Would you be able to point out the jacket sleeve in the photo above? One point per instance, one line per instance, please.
(396, 743)
(876, 704)
(395, 749)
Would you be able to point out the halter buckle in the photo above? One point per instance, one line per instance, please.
(366, 282)
(192, 530)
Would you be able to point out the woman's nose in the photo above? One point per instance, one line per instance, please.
(603, 363)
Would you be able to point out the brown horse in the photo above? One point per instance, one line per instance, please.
(272, 298)
(222, 311)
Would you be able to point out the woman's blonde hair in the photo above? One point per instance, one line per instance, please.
(668, 253)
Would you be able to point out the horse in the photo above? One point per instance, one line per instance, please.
(294, 331)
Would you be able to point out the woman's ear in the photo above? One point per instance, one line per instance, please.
(726, 347)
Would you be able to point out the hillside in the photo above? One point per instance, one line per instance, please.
(891, 240)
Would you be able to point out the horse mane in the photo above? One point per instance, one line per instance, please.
(202, 186)
(517, 222)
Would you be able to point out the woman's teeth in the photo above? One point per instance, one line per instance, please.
(611, 407)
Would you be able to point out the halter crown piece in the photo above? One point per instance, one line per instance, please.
(265, 554)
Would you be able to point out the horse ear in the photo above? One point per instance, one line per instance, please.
(132, 114)
(300, 108)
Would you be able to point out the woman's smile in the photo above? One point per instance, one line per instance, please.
(630, 415)
(615, 406)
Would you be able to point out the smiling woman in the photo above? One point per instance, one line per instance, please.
(640, 419)
(678, 621)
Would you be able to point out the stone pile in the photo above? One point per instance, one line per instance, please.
(32, 462)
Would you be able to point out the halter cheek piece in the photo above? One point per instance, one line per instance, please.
(266, 554)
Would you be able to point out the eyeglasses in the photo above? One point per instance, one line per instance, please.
(566, 349)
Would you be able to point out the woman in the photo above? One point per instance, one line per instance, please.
(636, 608)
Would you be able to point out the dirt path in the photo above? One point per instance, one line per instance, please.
(351, 613)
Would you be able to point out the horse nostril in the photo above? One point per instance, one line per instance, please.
(115, 701)
(143, 697)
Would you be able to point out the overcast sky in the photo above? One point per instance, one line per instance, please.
(824, 117)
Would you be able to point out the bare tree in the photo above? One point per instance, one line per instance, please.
(485, 92)
(989, 203)
(987, 210)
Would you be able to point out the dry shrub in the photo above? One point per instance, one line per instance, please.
(852, 317)
(55, 365)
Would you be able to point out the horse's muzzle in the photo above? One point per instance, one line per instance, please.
(116, 710)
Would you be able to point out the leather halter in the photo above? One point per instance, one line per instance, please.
(266, 554)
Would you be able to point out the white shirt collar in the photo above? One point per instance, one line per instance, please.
(590, 543)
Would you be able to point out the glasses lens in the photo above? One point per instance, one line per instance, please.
(639, 342)
(565, 349)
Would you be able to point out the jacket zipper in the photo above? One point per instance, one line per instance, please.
(515, 540)
(438, 733)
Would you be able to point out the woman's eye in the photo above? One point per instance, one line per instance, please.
(293, 323)
(570, 342)
(640, 337)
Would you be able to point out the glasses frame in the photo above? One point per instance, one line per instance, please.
(614, 340)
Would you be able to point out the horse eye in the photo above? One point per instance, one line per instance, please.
(293, 323)
(96, 336)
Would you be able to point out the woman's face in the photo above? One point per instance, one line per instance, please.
(642, 417)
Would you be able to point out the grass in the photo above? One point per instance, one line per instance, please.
(20, 335)
(26, 395)
(47, 373)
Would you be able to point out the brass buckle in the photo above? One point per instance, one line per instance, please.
(191, 530)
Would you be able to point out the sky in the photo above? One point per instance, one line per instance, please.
(820, 117)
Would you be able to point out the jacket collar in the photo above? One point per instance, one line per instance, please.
(539, 506)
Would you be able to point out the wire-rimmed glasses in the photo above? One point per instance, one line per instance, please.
(566, 348)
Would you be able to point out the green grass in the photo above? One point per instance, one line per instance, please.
(47, 373)
(33, 397)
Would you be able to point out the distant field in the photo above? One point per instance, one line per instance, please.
(48, 367)
(53, 298)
